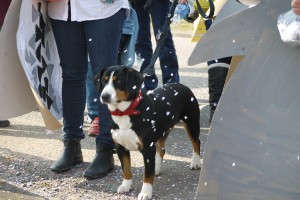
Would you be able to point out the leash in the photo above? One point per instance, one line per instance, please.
(211, 10)
(160, 37)
(147, 5)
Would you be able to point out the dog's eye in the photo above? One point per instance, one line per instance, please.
(117, 83)
(103, 81)
(116, 80)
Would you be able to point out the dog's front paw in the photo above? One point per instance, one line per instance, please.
(125, 187)
(146, 192)
(143, 196)
(196, 162)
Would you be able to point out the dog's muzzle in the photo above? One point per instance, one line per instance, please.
(105, 98)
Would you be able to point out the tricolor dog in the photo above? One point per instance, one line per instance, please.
(142, 121)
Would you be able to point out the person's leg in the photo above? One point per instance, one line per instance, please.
(91, 94)
(217, 73)
(103, 39)
(92, 102)
(72, 51)
(167, 55)
(143, 45)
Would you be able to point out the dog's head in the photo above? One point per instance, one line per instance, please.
(117, 84)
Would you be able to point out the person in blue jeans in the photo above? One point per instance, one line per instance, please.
(92, 103)
(126, 57)
(83, 28)
(167, 55)
(92, 96)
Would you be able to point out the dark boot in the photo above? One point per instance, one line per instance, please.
(4, 123)
(71, 155)
(102, 164)
(216, 80)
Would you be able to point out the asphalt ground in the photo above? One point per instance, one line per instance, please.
(27, 150)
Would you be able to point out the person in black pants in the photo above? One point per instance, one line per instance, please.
(217, 73)
(159, 10)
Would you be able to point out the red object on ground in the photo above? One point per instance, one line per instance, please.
(94, 129)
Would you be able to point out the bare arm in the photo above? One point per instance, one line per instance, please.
(182, 1)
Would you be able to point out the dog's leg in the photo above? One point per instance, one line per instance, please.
(149, 163)
(193, 131)
(124, 157)
(160, 152)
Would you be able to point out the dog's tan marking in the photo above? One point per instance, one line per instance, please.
(122, 95)
(140, 145)
(114, 78)
(127, 167)
(196, 144)
(160, 152)
(149, 179)
(196, 160)
(106, 78)
(160, 146)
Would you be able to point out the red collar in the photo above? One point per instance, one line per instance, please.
(131, 109)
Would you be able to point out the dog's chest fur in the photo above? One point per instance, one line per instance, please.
(124, 135)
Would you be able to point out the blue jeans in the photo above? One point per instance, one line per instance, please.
(128, 38)
(167, 55)
(92, 97)
(100, 39)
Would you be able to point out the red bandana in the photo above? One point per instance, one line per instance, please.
(131, 109)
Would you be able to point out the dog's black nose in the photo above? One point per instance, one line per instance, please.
(105, 98)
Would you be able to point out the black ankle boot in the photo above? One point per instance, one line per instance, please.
(216, 81)
(102, 163)
(4, 123)
(71, 155)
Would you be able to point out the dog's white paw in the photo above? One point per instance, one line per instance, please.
(125, 187)
(146, 192)
(143, 196)
(196, 161)
(158, 164)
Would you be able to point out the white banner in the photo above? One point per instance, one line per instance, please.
(38, 54)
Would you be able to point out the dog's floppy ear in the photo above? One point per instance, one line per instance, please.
(134, 80)
(97, 80)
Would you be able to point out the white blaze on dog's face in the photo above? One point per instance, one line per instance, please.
(108, 94)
